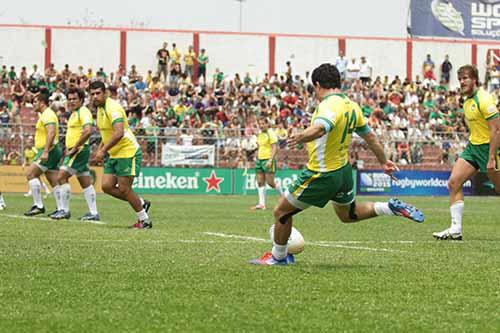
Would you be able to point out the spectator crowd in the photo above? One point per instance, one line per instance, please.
(169, 104)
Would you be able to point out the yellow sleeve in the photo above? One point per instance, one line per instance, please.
(488, 107)
(273, 138)
(115, 113)
(360, 118)
(326, 115)
(86, 117)
(49, 118)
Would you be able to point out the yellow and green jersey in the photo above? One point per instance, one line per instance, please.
(29, 155)
(46, 118)
(479, 109)
(76, 122)
(340, 117)
(265, 141)
(107, 116)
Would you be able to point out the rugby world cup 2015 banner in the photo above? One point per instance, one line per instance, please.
(474, 19)
(202, 155)
(434, 183)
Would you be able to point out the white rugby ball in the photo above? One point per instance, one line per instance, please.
(295, 242)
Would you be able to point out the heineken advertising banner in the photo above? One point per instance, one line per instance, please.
(175, 155)
(473, 19)
(184, 181)
(245, 182)
(206, 181)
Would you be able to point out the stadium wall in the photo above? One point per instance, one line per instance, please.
(256, 53)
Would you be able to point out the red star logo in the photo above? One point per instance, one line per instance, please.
(213, 182)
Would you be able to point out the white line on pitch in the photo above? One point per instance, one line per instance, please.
(322, 244)
(46, 219)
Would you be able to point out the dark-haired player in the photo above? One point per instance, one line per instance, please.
(328, 176)
(76, 160)
(480, 154)
(125, 155)
(48, 154)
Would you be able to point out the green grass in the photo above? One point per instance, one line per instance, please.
(384, 275)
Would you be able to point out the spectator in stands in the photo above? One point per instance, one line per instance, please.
(352, 71)
(175, 73)
(3, 156)
(202, 65)
(446, 68)
(13, 158)
(162, 55)
(341, 63)
(4, 120)
(494, 76)
(365, 71)
(175, 55)
(189, 59)
(428, 67)
(17, 92)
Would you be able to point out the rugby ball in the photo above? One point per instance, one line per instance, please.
(295, 242)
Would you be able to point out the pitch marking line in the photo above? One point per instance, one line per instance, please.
(322, 244)
(47, 219)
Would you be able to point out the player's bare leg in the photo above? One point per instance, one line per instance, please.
(279, 255)
(261, 188)
(63, 194)
(271, 182)
(494, 176)
(461, 172)
(124, 192)
(356, 212)
(33, 174)
(90, 197)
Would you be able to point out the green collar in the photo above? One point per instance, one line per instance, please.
(333, 94)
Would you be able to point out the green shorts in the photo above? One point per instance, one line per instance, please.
(478, 155)
(317, 188)
(78, 164)
(124, 167)
(260, 166)
(52, 163)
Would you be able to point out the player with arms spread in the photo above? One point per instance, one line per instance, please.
(480, 154)
(125, 154)
(328, 176)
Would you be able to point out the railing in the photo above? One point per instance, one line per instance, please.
(232, 149)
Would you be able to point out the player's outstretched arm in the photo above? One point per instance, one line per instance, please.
(311, 133)
(374, 145)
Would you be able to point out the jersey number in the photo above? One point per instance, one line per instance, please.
(349, 125)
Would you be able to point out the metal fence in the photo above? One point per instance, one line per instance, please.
(232, 149)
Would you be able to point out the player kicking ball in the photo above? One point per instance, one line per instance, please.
(328, 176)
(76, 160)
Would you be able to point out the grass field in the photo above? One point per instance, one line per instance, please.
(190, 273)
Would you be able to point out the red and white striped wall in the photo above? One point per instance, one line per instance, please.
(256, 53)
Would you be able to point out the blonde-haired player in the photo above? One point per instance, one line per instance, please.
(480, 154)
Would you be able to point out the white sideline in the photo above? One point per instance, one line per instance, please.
(322, 244)
(47, 219)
